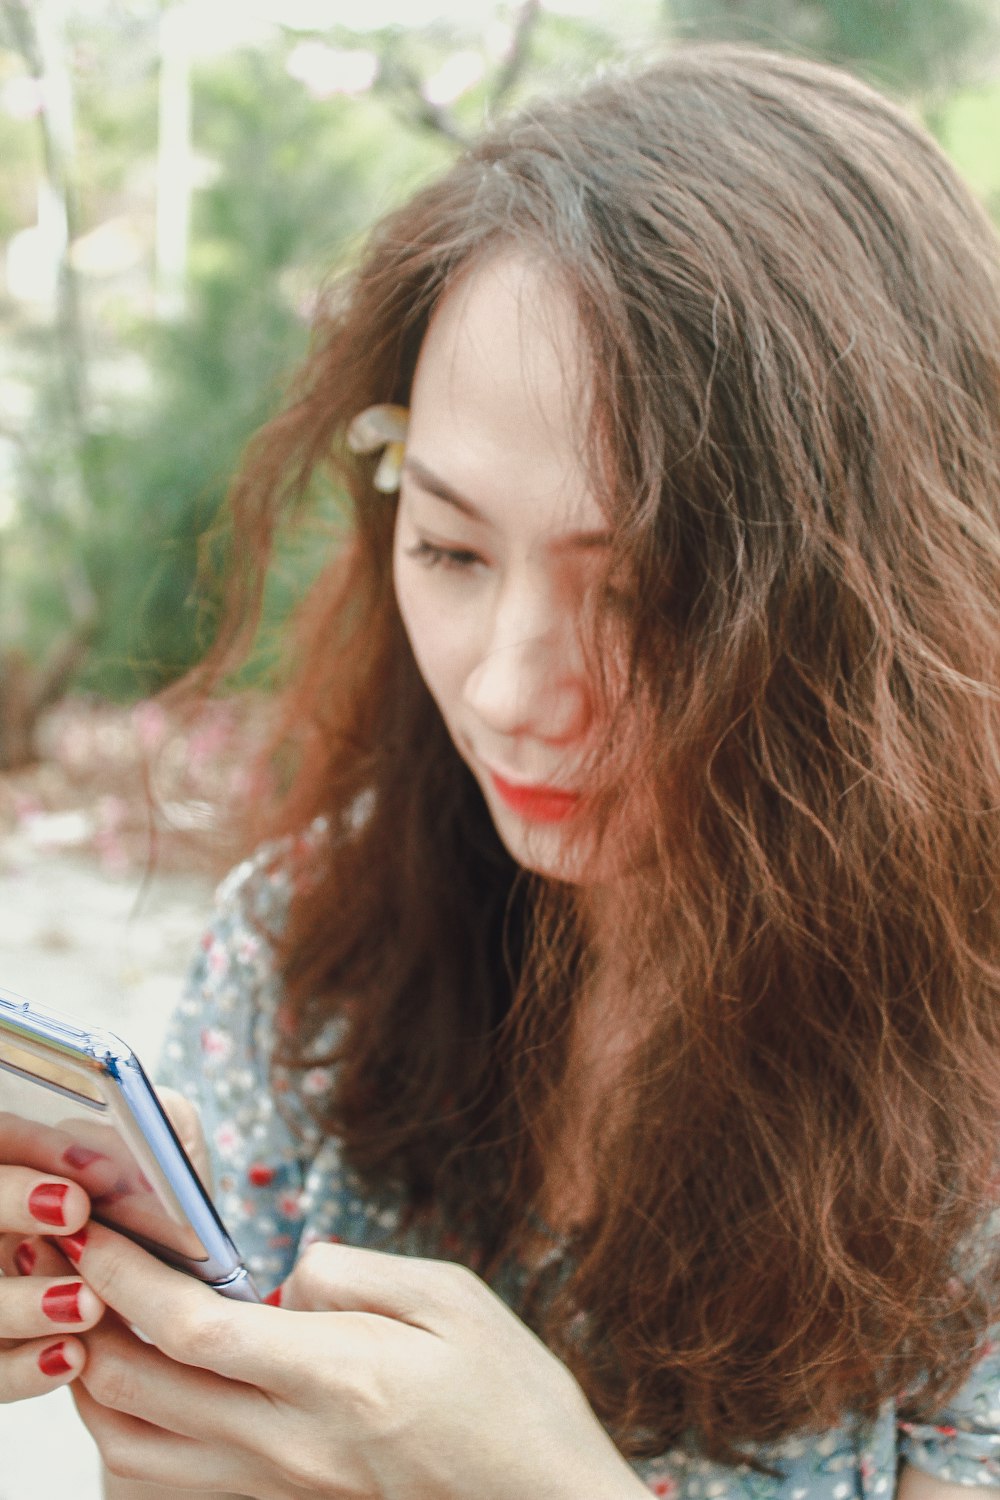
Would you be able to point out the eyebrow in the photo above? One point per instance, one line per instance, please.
(442, 490)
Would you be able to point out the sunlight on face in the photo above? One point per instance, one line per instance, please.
(499, 541)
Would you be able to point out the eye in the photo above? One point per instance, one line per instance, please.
(430, 555)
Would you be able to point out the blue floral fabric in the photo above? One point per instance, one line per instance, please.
(280, 1186)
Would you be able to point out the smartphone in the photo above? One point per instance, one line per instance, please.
(78, 1103)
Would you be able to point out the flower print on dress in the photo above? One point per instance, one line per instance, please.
(316, 1082)
(215, 1044)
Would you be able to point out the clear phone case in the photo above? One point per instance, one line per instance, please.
(77, 1103)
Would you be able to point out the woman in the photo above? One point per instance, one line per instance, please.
(626, 931)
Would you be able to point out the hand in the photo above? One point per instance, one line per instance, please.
(379, 1377)
(40, 1292)
(43, 1303)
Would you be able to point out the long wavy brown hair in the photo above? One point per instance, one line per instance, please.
(792, 312)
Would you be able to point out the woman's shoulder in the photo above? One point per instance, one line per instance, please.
(220, 1046)
(232, 992)
(257, 893)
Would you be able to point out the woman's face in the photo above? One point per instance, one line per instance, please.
(499, 545)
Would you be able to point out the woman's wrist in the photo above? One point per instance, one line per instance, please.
(601, 1475)
(619, 1484)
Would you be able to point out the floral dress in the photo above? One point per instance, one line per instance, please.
(280, 1185)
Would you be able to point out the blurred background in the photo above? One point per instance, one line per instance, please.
(177, 180)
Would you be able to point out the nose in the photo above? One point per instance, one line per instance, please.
(528, 679)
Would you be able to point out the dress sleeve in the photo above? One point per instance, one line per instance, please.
(217, 1054)
(961, 1442)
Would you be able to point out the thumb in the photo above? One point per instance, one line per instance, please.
(342, 1278)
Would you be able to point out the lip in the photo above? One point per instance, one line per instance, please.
(538, 804)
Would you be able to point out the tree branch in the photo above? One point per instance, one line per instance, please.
(58, 170)
(400, 80)
(518, 54)
(404, 86)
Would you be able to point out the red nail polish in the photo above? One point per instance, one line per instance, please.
(46, 1203)
(62, 1303)
(273, 1299)
(82, 1156)
(52, 1361)
(24, 1258)
(72, 1245)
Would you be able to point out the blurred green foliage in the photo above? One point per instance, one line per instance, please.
(295, 181)
(908, 46)
(967, 123)
(289, 181)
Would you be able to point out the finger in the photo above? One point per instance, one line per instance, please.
(249, 1344)
(126, 1375)
(29, 1144)
(183, 1317)
(33, 1306)
(96, 1156)
(32, 1203)
(32, 1369)
(138, 1450)
(31, 1256)
(59, 1151)
(425, 1293)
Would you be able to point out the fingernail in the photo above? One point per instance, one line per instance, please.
(273, 1299)
(62, 1303)
(46, 1203)
(24, 1258)
(52, 1361)
(73, 1245)
(82, 1156)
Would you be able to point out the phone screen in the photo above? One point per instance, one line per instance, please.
(65, 1115)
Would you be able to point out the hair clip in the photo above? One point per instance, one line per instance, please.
(382, 427)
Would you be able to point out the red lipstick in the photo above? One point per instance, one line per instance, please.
(537, 804)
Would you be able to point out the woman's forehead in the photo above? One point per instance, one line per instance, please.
(506, 332)
(501, 392)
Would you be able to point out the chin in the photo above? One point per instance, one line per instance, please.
(546, 849)
(553, 851)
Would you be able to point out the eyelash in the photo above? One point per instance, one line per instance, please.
(460, 560)
(450, 558)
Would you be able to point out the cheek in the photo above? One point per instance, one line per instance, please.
(436, 646)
